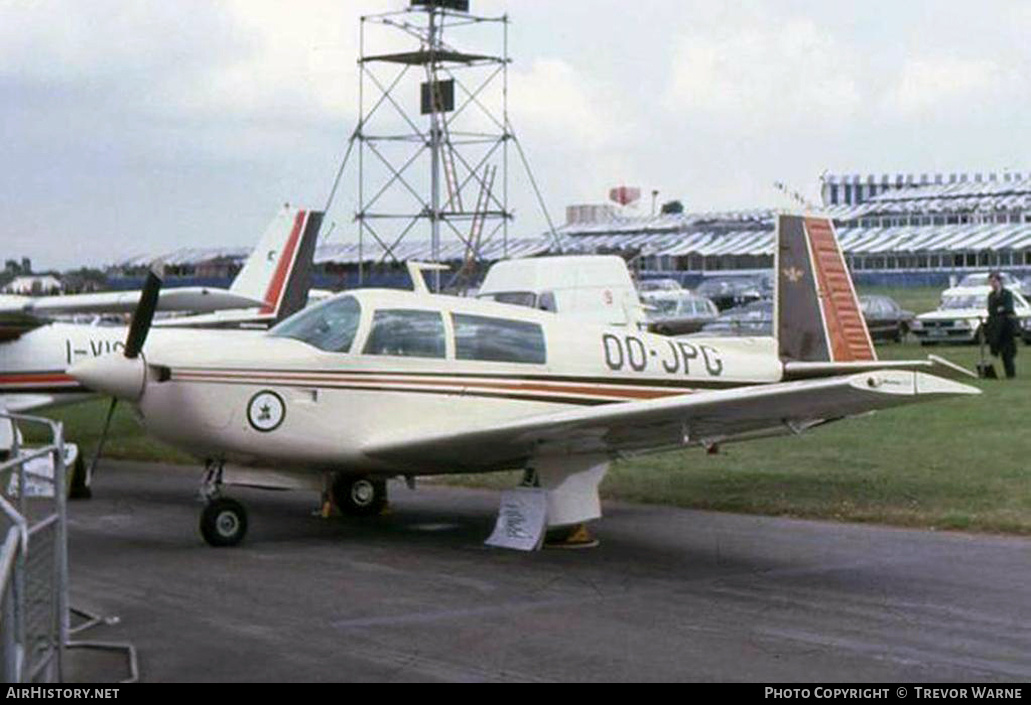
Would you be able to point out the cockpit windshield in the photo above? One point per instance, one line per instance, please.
(329, 326)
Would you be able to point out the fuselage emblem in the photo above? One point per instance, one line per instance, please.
(266, 411)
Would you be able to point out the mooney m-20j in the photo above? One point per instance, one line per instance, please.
(374, 384)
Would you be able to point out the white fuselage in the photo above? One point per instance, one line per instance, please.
(259, 399)
(33, 366)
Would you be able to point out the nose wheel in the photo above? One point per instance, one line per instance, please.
(224, 520)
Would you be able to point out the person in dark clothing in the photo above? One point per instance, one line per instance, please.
(1001, 328)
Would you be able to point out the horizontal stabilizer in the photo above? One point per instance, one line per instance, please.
(933, 364)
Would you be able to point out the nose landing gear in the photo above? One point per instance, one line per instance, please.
(224, 520)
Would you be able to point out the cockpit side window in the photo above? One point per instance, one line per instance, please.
(406, 333)
(329, 326)
(498, 340)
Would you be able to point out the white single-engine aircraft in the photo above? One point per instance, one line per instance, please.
(375, 384)
(35, 351)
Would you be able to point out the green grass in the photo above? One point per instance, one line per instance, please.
(918, 300)
(961, 463)
(957, 464)
(126, 440)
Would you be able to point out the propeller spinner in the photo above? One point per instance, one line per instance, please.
(124, 376)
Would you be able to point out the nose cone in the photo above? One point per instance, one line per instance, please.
(114, 375)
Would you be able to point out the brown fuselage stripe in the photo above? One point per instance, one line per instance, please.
(686, 385)
(455, 391)
(384, 383)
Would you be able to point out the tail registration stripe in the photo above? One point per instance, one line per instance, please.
(275, 287)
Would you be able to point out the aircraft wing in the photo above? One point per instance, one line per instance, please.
(191, 298)
(699, 418)
(236, 318)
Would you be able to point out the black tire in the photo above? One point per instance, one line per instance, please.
(79, 485)
(223, 522)
(359, 496)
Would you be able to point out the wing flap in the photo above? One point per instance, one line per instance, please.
(650, 425)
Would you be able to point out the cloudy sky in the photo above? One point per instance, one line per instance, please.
(138, 126)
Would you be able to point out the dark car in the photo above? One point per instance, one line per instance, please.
(885, 319)
(677, 312)
(753, 319)
(730, 291)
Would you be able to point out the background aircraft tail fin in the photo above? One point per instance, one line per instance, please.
(817, 313)
(278, 272)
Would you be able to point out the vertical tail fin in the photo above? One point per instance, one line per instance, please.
(816, 310)
(278, 271)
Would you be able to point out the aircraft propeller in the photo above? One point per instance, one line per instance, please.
(114, 376)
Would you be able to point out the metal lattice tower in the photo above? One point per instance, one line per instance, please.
(447, 166)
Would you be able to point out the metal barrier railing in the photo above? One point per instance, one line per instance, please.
(35, 616)
(34, 562)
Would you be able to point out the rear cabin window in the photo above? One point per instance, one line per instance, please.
(498, 340)
(406, 333)
(328, 326)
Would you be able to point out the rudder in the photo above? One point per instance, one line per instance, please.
(816, 308)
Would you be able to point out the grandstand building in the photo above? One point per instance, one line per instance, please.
(924, 229)
(893, 230)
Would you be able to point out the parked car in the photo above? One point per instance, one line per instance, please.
(961, 314)
(752, 319)
(677, 312)
(735, 290)
(980, 279)
(649, 285)
(885, 319)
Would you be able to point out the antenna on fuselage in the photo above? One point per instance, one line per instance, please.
(415, 270)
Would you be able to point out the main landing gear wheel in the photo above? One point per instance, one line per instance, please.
(359, 496)
(223, 522)
(80, 481)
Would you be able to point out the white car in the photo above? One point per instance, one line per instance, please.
(962, 312)
(980, 279)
